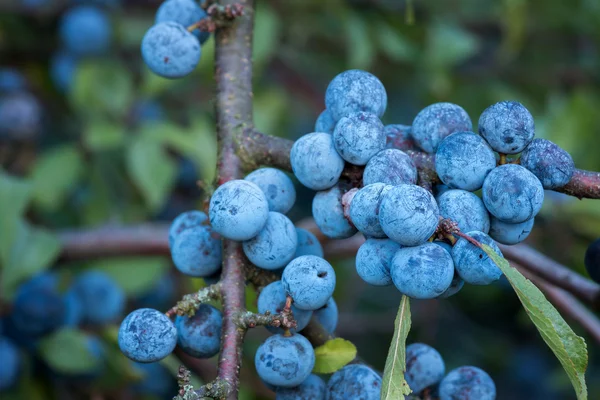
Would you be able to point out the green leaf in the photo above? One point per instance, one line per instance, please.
(33, 251)
(55, 173)
(393, 44)
(333, 355)
(14, 198)
(135, 275)
(152, 170)
(361, 51)
(102, 135)
(67, 351)
(394, 385)
(570, 349)
(449, 45)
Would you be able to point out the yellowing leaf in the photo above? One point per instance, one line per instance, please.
(569, 348)
(333, 355)
(394, 386)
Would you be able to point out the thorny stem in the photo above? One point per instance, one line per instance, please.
(285, 319)
(189, 304)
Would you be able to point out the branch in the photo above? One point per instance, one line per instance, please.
(191, 302)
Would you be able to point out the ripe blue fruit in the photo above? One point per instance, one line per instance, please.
(147, 110)
(327, 315)
(285, 361)
(85, 30)
(197, 251)
(355, 90)
(308, 244)
(38, 307)
(472, 263)
(390, 166)
(170, 51)
(74, 312)
(553, 166)
(399, 137)
(592, 260)
(20, 116)
(102, 299)
(328, 212)
(315, 161)
(185, 221)
(63, 67)
(422, 272)
(506, 233)
(156, 381)
(364, 209)
(11, 363)
(467, 383)
(161, 295)
(184, 12)
(147, 335)
(466, 209)
(312, 388)
(408, 214)
(354, 381)
(455, 286)
(358, 137)
(238, 210)
(11, 80)
(436, 121)
(310, 280)
(507, 126)
(325, 122)
(424, 367)
(272, 298)
(463, 160)
(512, 194)
(277, 187)
(200, 335)
(373, 261)
(275, 245)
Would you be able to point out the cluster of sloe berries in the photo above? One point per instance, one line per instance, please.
(401, 219)
(172, 47)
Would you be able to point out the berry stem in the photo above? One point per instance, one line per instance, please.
(190, 302)
(502, 158)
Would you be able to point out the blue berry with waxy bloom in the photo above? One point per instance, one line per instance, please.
(63, 67)
(102, 298)
(455, 286)
(313, 388)
(328, 212)
(310, 280)
(422, 272)
(272, 298)
(186, 220)
(156, 381)
(399, 137)
(11, 363)
(285, 361)
(436, 121)
(308, 244)
(553, 166)
(275, 245)
(325, 122)
(170, 51)
(147, 335)
(11, 80)
(472, 263)
(353, 91)
(512, 194)
(408, 214)
(373, 261)
(20, 116)
(507, 126)
(85, 30)
(200, 335)
(424, 367)
(197, 251)
(506, 233)
(358, 137)
(390, 166)
(327, 315)
(354, 381)
(463, 160)
(364, 209)
(467, 383)
(184, 12)
(238, 210)
(315, 161)
(277, 187)
(74, 311)
(466, 209)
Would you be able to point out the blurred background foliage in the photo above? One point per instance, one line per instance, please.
(109, 143)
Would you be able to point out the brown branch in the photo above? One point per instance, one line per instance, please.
(583, 185)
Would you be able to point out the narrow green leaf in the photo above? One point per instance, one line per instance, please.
(394, 385)
(393, 44)
(359, 45)
(570, 349)
(333, 355)
(68, 351)
(14, 197)
(102, 135)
